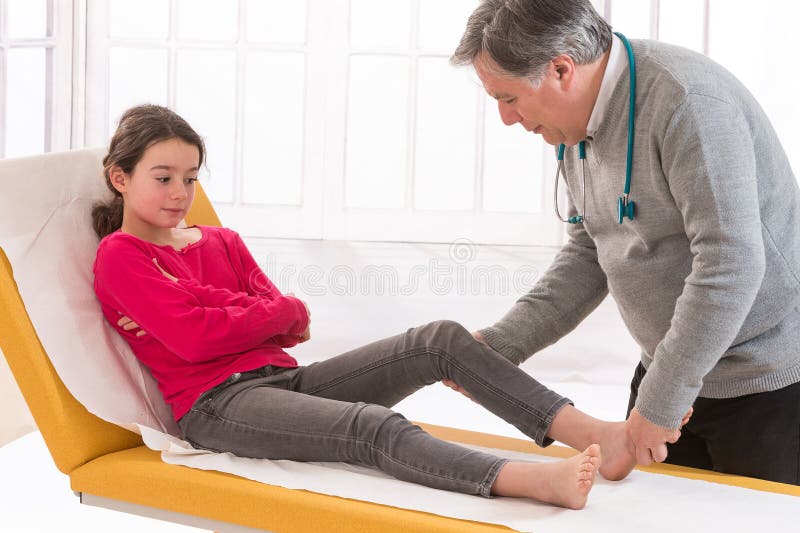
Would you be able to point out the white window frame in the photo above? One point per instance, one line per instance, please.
(408, 223)
(58, 75)
(322, 214)
(286, 221)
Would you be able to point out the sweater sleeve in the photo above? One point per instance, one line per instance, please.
(571, 288)
(710, 165)
(127, 279)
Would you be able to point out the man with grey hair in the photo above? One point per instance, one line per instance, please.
(706, 269)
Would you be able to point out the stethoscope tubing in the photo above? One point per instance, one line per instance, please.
(625, 207)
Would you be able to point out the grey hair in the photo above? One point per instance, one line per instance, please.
(523, 36)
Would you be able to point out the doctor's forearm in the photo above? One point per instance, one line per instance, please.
(572, 287)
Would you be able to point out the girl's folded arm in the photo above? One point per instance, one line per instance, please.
(127, 280)
(211, 296)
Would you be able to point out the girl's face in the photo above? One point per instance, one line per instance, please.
(160, 190)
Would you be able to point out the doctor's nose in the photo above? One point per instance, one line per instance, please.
(507, 114)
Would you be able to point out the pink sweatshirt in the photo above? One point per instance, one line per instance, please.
(222, 316)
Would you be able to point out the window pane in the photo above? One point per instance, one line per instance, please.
(599, 6)
(276, 21)
(681, 22)
(208, 20)
(770, 41)
(25, 102)
(377, 118)
(512, 165)
(380, 23)
(442, 23)
(135, 76)
(27, 19)
(273, 136)
(139, 19)
(446, 136)
(208, 103)
(631, 18)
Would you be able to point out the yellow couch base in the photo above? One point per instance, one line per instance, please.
(138, 476)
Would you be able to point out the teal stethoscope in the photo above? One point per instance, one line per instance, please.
(625, 206)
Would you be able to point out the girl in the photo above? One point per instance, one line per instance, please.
(216, 329)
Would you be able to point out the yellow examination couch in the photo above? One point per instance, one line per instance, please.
(109, 466)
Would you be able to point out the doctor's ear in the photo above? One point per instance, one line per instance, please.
(563, 67)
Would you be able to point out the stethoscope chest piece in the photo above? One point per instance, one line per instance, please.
(625, 209)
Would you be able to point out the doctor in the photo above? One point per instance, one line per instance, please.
(688, 214)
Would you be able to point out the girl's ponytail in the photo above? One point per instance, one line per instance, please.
(107, 217)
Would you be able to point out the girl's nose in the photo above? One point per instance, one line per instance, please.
(179, 192)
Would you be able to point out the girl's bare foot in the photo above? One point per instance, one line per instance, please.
(618, 461)
(564, 483)
(618, 458)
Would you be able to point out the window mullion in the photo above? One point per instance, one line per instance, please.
(3, 74)
(239, 105)
(172, 53)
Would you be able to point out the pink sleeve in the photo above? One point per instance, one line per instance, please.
(127, 280)
(210, 296)
(256, 281)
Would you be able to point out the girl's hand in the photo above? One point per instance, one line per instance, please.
(127, 324)
(306, 335)
(308, 311)
(166, 274)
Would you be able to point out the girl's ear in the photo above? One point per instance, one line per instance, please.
(118, 178)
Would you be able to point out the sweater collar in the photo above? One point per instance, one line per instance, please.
(617, 63)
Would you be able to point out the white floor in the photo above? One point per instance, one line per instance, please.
(360, 292)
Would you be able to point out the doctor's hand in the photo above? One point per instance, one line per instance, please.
(648, 441)
(452, 384)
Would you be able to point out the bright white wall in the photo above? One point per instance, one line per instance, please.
(15, 418)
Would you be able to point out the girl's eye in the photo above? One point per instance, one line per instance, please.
(163, 179)
(190, 181)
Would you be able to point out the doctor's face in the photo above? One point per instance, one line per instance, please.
(542, 110)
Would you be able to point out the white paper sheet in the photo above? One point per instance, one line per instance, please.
(45, 230)
(643, 502)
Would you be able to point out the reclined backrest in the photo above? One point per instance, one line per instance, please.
(73, 435)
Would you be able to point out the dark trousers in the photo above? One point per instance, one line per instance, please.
(757, 435)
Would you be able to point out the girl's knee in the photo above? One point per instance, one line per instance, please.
(446, 329)
(377, 424)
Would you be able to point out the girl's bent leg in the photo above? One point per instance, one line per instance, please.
(256, 419)
(386, 371)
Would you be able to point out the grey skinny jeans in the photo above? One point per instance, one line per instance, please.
(338, 409)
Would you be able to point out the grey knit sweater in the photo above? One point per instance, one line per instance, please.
(707, 276)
